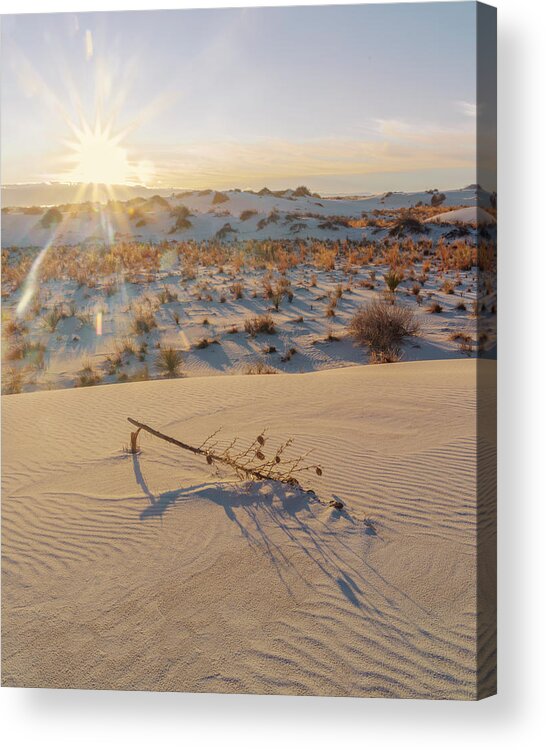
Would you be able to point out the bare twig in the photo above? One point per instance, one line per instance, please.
(248, 463)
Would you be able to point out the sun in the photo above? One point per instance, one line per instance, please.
(98, 157)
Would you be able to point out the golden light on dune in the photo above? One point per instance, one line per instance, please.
(98, 156)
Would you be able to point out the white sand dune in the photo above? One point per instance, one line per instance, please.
(149, 573)
(471, 215)
(273, 217)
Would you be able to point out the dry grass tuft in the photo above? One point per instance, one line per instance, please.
(143, 320)
(260, 368)
(383, 328)
(87, 376)
(13, 380)
(260, 324)
(237, 289)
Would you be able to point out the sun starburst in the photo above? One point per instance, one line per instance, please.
(98, 155)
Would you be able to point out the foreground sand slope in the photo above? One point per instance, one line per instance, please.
(149, 573)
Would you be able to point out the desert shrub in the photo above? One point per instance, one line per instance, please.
(460, 336)
(260, 324)
(113, 363)
(448, 287)
(219, 198)
(143, 320)
(14, 328)
(166, 295)
(85, 318)
(204, 343)
(169, 361)
(13, 380)
(51, 216)
(237, 289)
(386, 357)
(18, 350)
(435, 307)
(437, 199)
(126, 345)
(383, 328)
(52, 318)
(260, 368)
(465, 347)
(407, 225)
(181, 216)
(326, 258)
(224, 231)
(246, 215)
(156, 201)
(276, 292)
(330, 336)
(87, 376)
(289, 353)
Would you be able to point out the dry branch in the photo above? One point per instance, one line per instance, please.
(248, 463)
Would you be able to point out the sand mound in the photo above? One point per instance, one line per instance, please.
(470, 215)
(149, 573)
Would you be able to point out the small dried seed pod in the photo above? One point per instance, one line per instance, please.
(260, 455)
(260, 439)
(318, 471)
(209, 459)
(277, 459)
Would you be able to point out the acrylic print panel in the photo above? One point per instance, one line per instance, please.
(248, 349)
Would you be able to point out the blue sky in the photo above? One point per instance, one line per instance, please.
(341, 98)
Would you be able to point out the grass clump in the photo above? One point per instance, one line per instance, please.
(87, 376)
(169, 361)
(52, 318)
(237, 289)
(393, 279)
(435, 308)
(13, 380)
(143, 321)
(383, 328)
(51, 216)
(204, 343)
(260, 324)
(260, 368)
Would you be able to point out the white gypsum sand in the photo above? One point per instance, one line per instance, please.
(77, 314)
(148, 572)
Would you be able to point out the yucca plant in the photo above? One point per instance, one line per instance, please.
(393, 279)
(168, 361)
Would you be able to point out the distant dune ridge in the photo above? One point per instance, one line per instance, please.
(143, 214)
(149, 573)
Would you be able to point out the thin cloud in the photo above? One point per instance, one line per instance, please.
(469, 109)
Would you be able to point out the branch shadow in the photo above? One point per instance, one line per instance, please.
(258, 507)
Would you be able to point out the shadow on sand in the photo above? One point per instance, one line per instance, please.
(300, 523)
